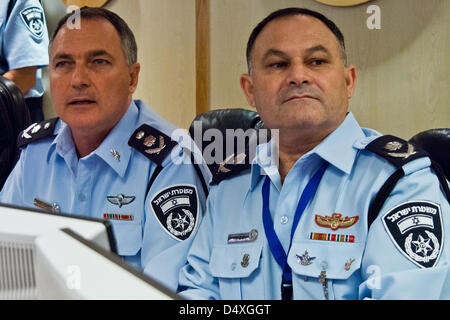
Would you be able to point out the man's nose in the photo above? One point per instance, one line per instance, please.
(298, 74)
(80, 77)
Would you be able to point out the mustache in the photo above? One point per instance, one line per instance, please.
(80, 94)
(293, 92)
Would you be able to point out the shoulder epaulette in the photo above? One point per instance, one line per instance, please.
(395, 150)
(37, 131)
(232, 166)
(398, 152)
(152, 143)
(235, 163)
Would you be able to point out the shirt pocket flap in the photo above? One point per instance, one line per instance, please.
(339, 260)
(235, 261)
(128, 235)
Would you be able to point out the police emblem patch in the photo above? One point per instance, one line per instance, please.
(416, 229)
(176, 208)
(33, 18)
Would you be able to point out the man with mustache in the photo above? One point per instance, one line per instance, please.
(108, 156)
(318, 226)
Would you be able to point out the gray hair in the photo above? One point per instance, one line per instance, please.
(128, 42)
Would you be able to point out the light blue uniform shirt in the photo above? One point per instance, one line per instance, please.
(366, 264)
(24, 40)
(48, 169)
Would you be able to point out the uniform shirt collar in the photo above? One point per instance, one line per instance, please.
(337, 148)
(115, 141)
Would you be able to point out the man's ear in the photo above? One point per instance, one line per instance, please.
(247, 87)
(134, 76)
(350, 80)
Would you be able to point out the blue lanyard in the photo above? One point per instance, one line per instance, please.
(275, 246)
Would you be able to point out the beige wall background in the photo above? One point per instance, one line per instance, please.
(403, 68)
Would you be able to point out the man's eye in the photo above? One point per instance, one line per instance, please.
(278, 65)
(100, 61)
(317, 62)
(61, 64)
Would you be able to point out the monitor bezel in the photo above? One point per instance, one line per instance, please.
(106, 223)
(118, 261)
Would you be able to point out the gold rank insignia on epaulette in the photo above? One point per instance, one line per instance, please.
(397, 151)
(230, 167)
(37, 131)
(152, 143)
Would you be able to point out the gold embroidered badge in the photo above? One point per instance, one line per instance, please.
(335, 221)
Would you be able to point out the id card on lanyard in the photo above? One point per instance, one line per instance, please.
(275, 245)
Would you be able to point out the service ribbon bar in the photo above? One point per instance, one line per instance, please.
(332, 237)
(116, 216)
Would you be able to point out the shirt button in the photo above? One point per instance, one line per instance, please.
(284, 220)
(82, 197)
(233, 266)
(323, 265)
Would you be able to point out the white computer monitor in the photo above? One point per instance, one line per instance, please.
(70, 267)
(19, 229)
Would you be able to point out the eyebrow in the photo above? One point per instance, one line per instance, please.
(281, 54)
(90, 54)
(317, 48)
(62, 56)
(274, 52)
(97, 53)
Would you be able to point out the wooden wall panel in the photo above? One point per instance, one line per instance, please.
(202, 56)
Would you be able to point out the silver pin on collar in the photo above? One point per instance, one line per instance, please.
(115, 154)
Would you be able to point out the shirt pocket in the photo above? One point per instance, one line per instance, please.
(340, 262)
(128, 236)
(237, 268)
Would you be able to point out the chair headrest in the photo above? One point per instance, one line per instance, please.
(223, 119)
(14, 118)
(437, 143)
(13, 100)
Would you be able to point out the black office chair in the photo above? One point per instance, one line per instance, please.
(14, 117)
(222, 119)
(437, 143)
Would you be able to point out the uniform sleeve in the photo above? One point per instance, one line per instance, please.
(25, 38)
(196, 281)
(174, 208)
(407, 252)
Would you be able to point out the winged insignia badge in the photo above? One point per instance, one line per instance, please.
(120, 199)
(335, 221)
(305, 259)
